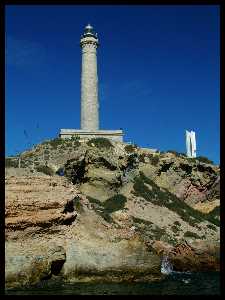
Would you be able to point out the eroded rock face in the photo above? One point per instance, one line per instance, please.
(37, 201)
(36, 208)
(108, 170)
(52, 231)
(192, 182)
(100, 173)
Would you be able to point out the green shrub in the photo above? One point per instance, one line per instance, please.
(175, 229)
(187, 168)
(141, 221)
(104, 209)
(183, 154)
(165, 167)
(100, 143)
(114, 203)
(130, 148)
(74, 141)
(174, 152)
(69, 144)
(79, 207)
(100, 210)
(210, 226)
(177, 223)
(56, 142)
(154, 160)
(28, 155)
(95, 201)
(142, 158)
(23, 164)
(45, 143)
(45, 169)
(148, 229)
(75, 138)
(214, 216)
(215, 212)
(177, 154)
(158, 232)
(76, 144)
(202, 159)
(191, 235)
(46, 151)
(11, 162)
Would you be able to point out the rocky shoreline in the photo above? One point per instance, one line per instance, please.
(116, 212)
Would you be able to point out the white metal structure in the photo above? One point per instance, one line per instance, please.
(191, 143)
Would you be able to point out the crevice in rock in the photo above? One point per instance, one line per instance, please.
(75, 170)
(68, 221)
(72, 205)
(69, 207)
(78, 173)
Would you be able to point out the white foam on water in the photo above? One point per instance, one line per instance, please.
(166, 266)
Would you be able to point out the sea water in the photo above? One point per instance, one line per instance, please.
(176, 283)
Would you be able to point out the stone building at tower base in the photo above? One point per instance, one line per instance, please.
(115, 135)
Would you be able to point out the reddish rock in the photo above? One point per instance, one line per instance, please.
(197, 256)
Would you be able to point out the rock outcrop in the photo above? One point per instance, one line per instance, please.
(191, 256)
(112, 216)
(53, 231)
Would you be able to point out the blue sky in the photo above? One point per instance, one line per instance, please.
(158, 70)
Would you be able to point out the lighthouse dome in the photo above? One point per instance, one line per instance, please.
(88, 31)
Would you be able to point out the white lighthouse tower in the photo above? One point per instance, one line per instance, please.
(89, 93)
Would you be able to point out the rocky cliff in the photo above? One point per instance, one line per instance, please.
(115, 212)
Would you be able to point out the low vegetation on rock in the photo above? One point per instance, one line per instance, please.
(162, 197)
(203, 159)
(100, 143)
(130, 148)
(190, 234)
(11, 162)
(176, 153)
(45, 169)
(115, 203)
(104, 209)
(154, 160)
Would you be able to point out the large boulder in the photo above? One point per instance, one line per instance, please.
(109, 260)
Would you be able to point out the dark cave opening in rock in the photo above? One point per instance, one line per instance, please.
(56, 266)
(69, 207)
